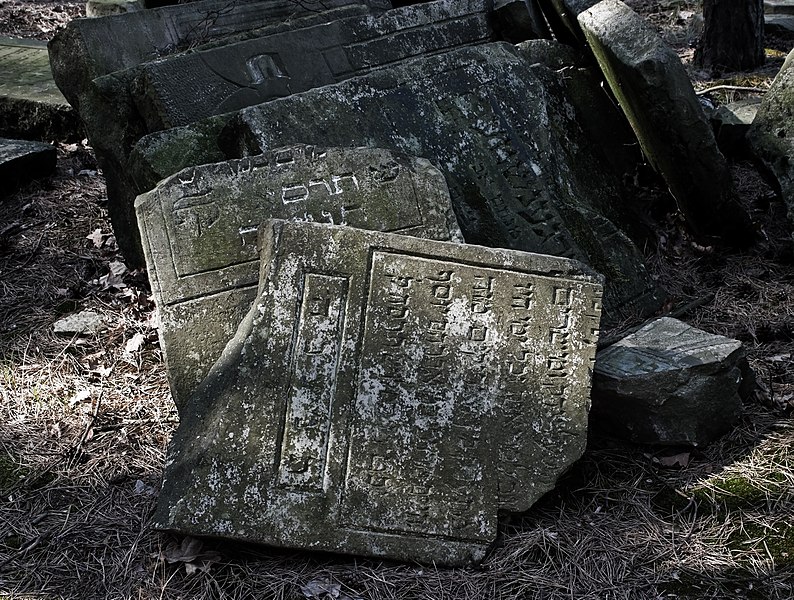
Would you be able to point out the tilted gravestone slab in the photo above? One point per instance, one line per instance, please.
(199, 232)
(387, 395)
(185, 88)
(520, 170)
(89, 48)
(655, 93)
(188, 87)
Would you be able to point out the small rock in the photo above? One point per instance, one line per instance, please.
(668, 384)
(83, 323)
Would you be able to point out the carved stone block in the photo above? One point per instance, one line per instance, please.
(199, 231)
(387, 395)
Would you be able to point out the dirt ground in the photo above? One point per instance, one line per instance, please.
(85, 421)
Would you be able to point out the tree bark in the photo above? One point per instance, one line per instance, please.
(733, 35)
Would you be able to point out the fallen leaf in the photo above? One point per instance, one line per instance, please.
(96, 237)
(190, 551)
(117, 268)
(81, 396)
(134, 343)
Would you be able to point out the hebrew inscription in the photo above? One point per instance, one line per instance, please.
(199, 231)
(393, 394)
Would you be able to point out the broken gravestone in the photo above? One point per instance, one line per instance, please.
(22, 161)
(186, 87)
(199, 231)
(668, 384)
(387, 396)
(771, 135)
(655, 93)
(89, 48)
(731, 122)
(520, 171)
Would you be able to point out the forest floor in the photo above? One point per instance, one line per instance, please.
(85, 422)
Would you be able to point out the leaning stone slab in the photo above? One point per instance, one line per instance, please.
(493, 124)
(230, 77)
(771, 135)
(668, 384)
(188, 87)
(199, 232)
(654, 91)
(22, 161)
(89, 48)
(386, 396)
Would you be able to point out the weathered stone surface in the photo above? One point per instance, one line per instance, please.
(656, 95)
(31, 106)
(668, 384)
(234, 76)
(89, 48)
(779, 24)
(104, 8)
(22, 161)
(85, 322)
(517, 164)
(731, 122)
(199, 231)
(386, 396)
(771, 135)
(291, 60)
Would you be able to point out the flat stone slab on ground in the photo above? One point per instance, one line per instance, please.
(655, 92)
(387, 395)
(779, 7)
(487, 119)
(22, 161)
(668, 384)
(30, 103)
(199, 232)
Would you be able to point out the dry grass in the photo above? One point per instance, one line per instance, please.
(84, 422)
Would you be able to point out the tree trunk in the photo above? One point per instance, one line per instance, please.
(733, 35)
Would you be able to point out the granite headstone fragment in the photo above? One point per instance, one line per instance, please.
(731, 122)
(656, 95)
(387, 396)
(199, 232)
(668, 384)
(771, 135)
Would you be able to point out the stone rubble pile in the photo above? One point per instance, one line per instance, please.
(350, 376)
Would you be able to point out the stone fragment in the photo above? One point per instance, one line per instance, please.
(86, 322)
(22, 161)
(771, 135)
(31, 107)
(89, 48)
(386, 396)
(199, 232)
(668, 384)
(656, 95)
(520, 172)
(779, 24)
(731, 122)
